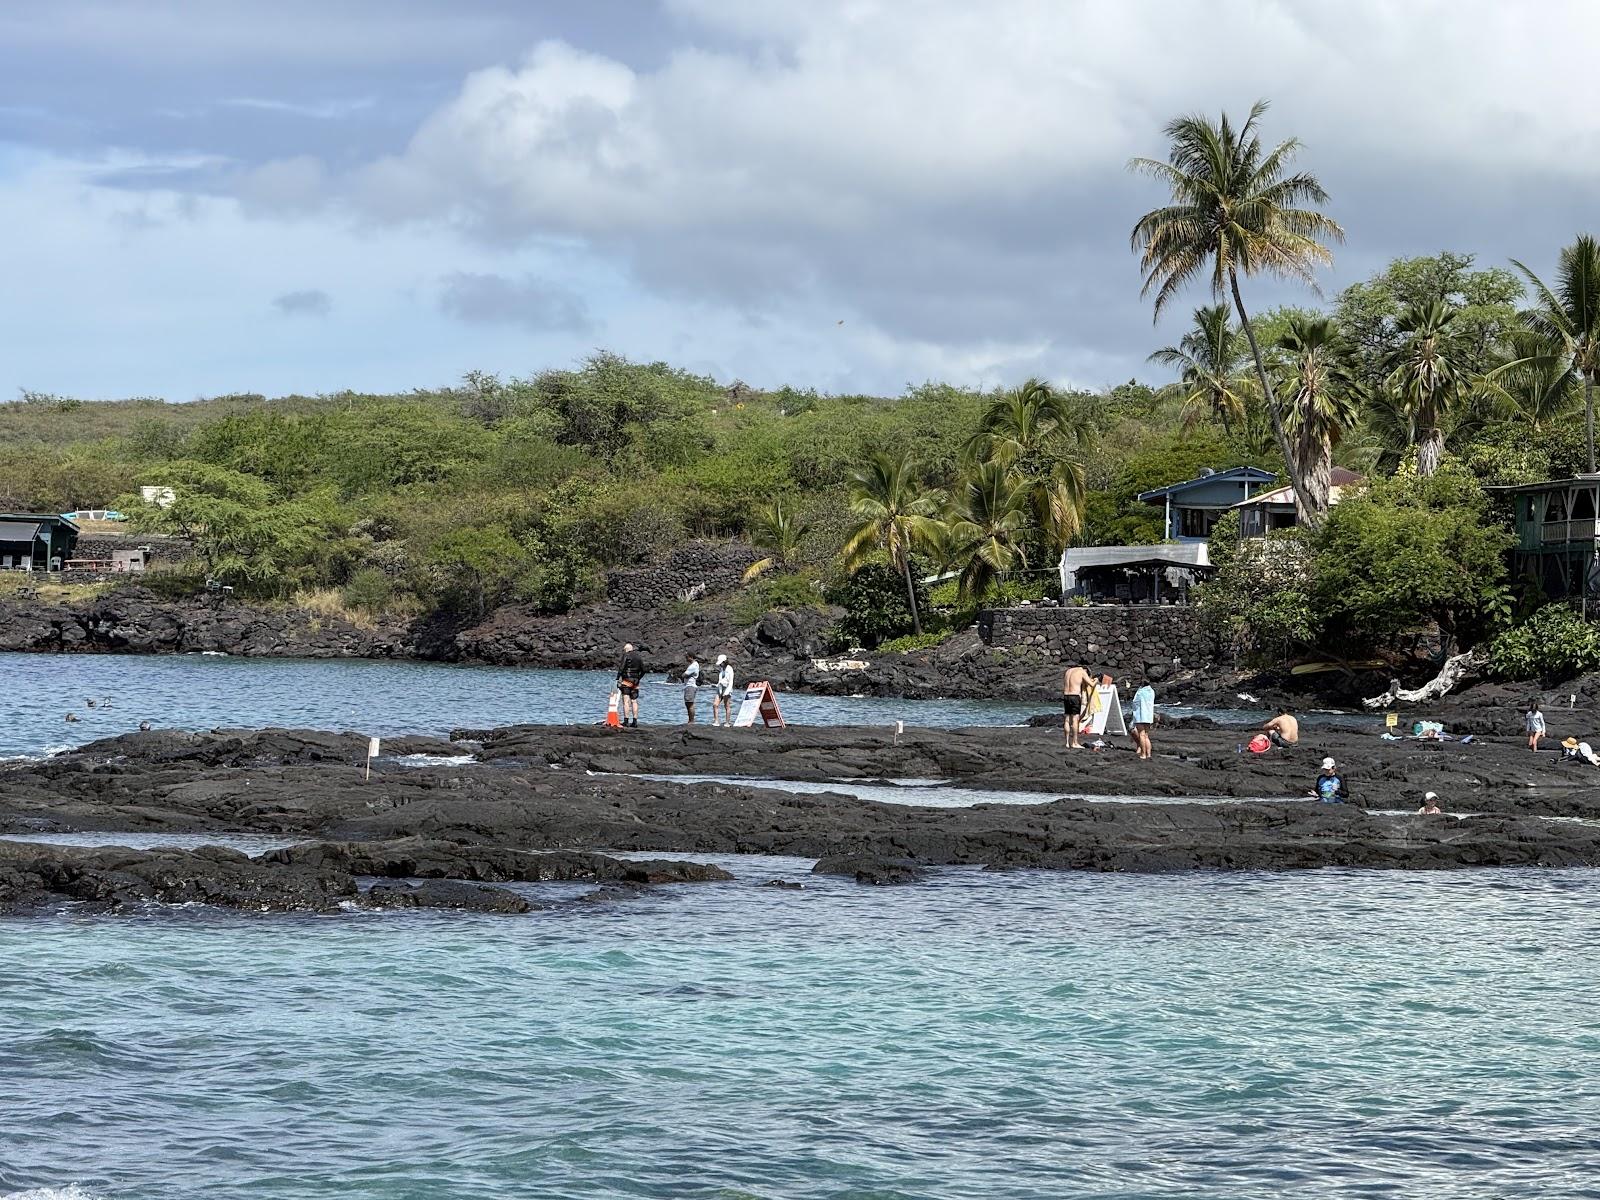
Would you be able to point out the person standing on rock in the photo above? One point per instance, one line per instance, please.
(630, 672)
(1144, 716)
(1329, 785)
(691, 685)
(1533, 723)
(1077, 689)
(723, 699)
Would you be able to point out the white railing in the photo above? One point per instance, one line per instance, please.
(1554, 533)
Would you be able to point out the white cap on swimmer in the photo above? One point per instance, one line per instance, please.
(1327, 764)
(721, 658)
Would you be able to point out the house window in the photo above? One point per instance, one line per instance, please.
(1196, 522)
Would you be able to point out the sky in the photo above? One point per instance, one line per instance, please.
(852, 195)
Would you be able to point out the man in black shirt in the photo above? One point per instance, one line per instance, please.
(630, 670)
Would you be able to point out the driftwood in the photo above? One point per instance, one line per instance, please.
(1457, 667)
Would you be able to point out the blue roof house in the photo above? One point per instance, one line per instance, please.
(1196, 505)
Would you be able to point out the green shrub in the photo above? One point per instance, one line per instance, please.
(916, 641)
(787, 590)
(875, 604)
(1553, 644)
(370, 590)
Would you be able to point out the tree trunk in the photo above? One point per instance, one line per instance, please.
(911, 594)
(1588, 415)
(1317, 462)
(1306, 511)
(1457, 667)
(1429, 451)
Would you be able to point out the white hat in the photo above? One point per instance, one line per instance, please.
(721, 658)
(1327, 764)
(1430, 795)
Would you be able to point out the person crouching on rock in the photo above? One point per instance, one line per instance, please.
(691, 685)
(1329, 787)
(1283, 730)
(1077, 689)
(630, 671)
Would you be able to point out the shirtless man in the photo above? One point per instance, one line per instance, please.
(1077, 688)
(1283, 729)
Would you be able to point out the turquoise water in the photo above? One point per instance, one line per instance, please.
(193, 691)
(1028, 1036)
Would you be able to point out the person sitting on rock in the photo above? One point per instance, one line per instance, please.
(1283, 730)
(1329, 785)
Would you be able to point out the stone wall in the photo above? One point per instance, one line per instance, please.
(163, 547)
(692, 571)
(1123, 640)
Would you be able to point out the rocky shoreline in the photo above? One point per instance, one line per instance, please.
(562, 802)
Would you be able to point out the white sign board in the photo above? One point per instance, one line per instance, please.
(750, 706)
(1105, 712)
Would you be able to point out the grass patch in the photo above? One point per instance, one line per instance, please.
(916, 641)
(329, 604)
(12, 583)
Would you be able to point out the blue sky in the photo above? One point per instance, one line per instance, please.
(843, 194)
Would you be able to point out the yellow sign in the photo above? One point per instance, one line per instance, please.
(1391, 720)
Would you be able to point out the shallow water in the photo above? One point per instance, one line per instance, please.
(1026, 1036)
(253, 844)
(926, 793)
(374, 697)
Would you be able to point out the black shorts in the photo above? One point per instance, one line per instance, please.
(1072, 705)
(629, 689)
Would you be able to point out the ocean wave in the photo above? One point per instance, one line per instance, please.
(433, 760)
(71, 1192)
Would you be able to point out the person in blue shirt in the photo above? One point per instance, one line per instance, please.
(1144, 716)
(1329, 787)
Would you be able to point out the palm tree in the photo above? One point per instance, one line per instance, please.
(1236, 211)
(993, 510)
(1538, 387)
(1207, 359)
(1035, 432)
(895, 514)
(778, 530)
(1428, 374)
(1569, 316)
(1320, 398)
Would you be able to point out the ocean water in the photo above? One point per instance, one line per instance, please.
(375, 697)
(1028, 1036)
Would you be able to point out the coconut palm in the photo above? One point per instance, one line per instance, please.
(993, 510)
(1236, 210)
(1207, 359)
(777, 529)
(1538, 387)
(1569, 316)
(895, 511)
(1036, 433)
(1429, 373)
(1319, 397)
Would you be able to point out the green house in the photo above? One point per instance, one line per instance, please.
(1558, 534)
(31, 542)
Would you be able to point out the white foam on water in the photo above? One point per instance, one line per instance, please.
(432, 760)
(71, 1192)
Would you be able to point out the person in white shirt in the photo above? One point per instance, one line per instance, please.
(691, 685)
(723, 700)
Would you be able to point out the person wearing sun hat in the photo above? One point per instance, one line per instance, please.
(1328, 786)
(1430, 805)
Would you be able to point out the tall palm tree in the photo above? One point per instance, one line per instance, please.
(1569, 315)
(1320, 398)
(1207, 359)
(895, 511)
(1429, 373)
(1036, 433)
(1538, 386)
(1236, 210)
(778, 530)
(993, 509)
